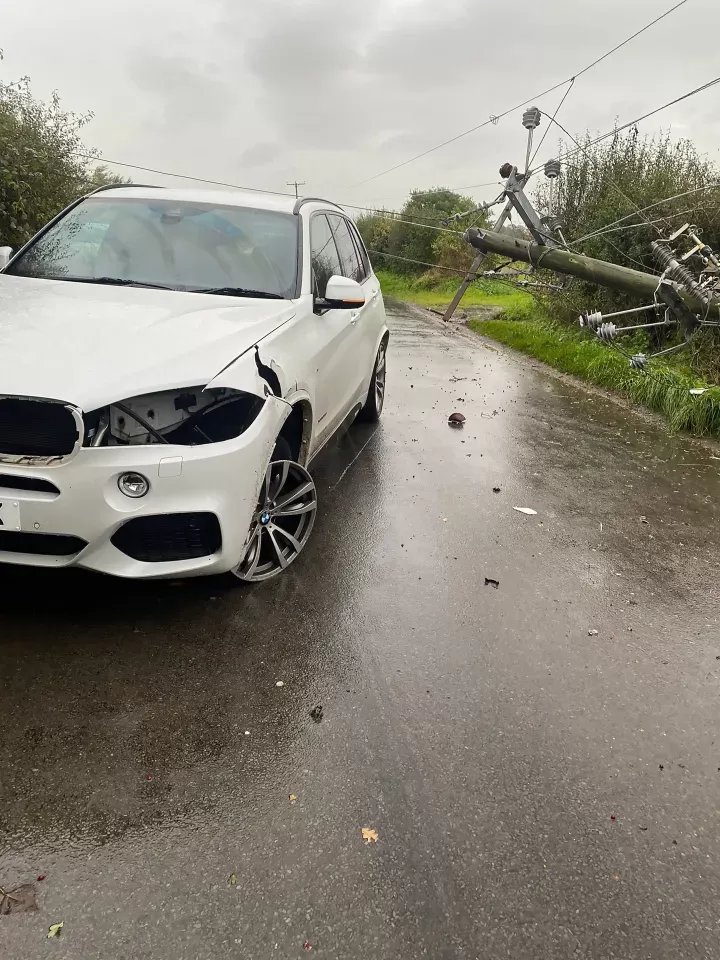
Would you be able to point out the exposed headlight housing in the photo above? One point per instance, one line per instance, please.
(188, 416)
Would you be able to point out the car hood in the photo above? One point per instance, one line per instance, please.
(91, 345)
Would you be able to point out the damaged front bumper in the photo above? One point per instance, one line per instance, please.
(194, 520)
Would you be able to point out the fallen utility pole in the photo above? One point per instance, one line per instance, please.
(600, 272)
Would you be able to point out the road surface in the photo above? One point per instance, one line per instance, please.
(539, 790)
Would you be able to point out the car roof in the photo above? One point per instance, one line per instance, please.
(233, 198)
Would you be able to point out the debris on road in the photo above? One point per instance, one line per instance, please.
(232, 879)
(496, 489)
(19, 900)
(644, 520)
(280, 683)
(307, 945)
(317, 713)
(369, 835)
(593, 633)
(55, 929)
(456, 419)
(528, 511)
(292, 798)
(489, 582)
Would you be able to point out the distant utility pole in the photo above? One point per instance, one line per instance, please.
(296, 184)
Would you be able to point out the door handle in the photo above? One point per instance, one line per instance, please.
(354, 317)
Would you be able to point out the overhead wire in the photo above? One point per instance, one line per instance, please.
(650, 206)
(536, 96)
(632, 123)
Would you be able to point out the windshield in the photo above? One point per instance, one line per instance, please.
(199, 247)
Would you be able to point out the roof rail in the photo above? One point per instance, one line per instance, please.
(119, 186)
(302, 200)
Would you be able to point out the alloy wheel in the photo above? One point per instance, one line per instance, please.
(380, 372)
(282, 522)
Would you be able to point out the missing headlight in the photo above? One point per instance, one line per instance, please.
(188, 417)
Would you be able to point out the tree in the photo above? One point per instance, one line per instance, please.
(609, 181)
(44, 164)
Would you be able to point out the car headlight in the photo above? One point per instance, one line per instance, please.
(189, 416)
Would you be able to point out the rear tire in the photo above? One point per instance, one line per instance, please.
(372, 411)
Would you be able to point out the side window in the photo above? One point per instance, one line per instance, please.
(362, 252)
(323, 254)
(352, 268)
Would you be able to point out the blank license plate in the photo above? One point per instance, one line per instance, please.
(9, 515)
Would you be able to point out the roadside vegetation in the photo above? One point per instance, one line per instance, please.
(44, 164)
(603, 184)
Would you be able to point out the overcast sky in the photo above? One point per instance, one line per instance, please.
(334, 91)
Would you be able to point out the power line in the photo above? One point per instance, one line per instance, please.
(650, 206)
(536, 96)
(632, 123)
(181, 176)
(394, 214)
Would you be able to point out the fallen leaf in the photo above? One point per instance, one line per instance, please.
(317, 713)
(528, 511)
(292, 798)
(496, 489)
(613, 817)
(41, 877)
(369, 835)
(489, 582)
(19, 900)
(307, 945)
(55, 929)
(232, 879)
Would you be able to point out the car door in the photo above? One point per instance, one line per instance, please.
(374, 321)
(333, 339)
(364, 333)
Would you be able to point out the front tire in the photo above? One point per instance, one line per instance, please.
(282, 522)
(372, 411)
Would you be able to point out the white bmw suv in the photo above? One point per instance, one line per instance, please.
(171, 361)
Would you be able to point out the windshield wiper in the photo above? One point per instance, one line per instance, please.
(238, 292)
(123, 282)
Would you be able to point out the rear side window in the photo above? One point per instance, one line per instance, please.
(362, 252)
(323, 254)
(352, 267)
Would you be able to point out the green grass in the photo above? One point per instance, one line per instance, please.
(439, 294)
(664, 389)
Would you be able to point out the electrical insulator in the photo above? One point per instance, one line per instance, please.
(553, 223)
(591, 320)
(531, 118)
(553, 169)
(638, 362)
(607, 331)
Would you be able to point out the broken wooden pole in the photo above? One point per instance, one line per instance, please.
(600, 272)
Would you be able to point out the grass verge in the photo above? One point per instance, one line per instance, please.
(665, 389)
(437, 295)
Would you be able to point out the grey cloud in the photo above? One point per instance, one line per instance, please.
(258, 154)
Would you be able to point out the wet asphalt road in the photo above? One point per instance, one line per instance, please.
(537, 792)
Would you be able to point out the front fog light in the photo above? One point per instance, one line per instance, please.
(133, 485)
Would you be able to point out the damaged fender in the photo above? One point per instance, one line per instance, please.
(253, 372)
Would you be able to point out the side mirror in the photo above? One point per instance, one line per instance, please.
(342, 293)
(5, 254)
